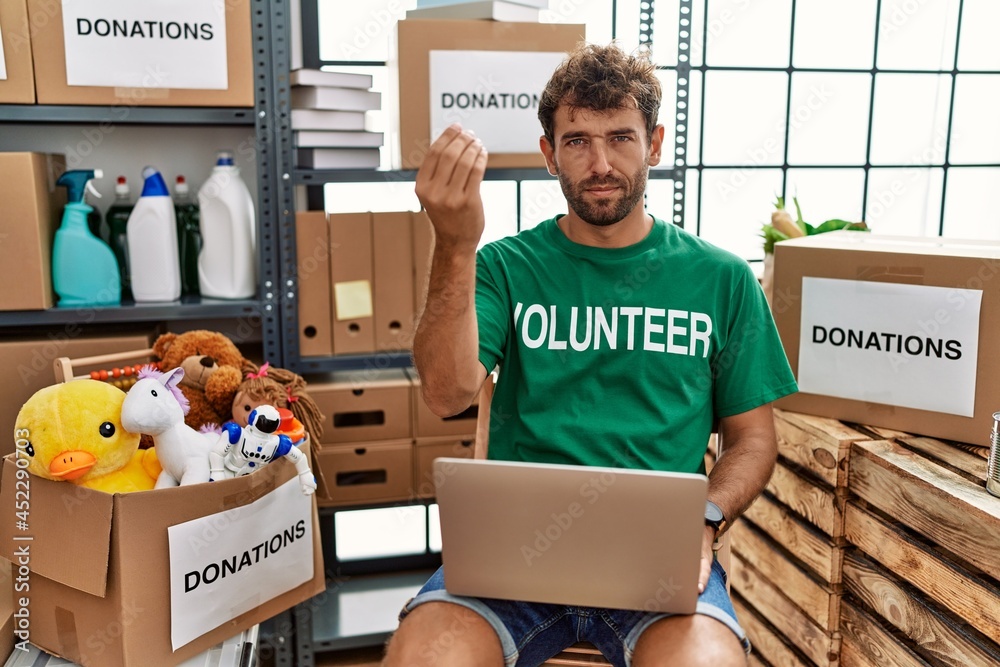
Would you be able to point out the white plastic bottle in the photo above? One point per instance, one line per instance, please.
(227, 266)
(152, 242)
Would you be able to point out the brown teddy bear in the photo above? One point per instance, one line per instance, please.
(213, 370)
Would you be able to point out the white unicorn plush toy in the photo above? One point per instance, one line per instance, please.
(155, 406)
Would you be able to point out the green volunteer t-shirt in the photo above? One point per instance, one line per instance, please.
(621, 357)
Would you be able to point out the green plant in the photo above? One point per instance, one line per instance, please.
(783, 226)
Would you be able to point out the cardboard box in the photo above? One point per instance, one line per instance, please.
(7, 620)
(423, 251)
(103, 581)
(370, 472)
(351, 274)
(426, 424)
(19, 85)
(363, 406)
(29, 364)
(312, 242)
(410, 66)
(48, 50)
(883, 330)
(392, 247)
(33, 207)
(428, 449)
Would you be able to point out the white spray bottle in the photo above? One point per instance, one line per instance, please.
(152, 243)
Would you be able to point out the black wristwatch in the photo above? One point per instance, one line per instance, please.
(714, 516)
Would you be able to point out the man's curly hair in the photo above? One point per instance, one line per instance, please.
(601, 78)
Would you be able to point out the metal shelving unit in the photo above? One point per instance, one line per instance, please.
(326, 623)
(134, 115)
(265, 308)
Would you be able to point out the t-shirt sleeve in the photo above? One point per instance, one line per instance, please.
(492, 308)
(751, 369)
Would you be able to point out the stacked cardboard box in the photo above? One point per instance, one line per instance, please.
(788, 549)
(380, 439)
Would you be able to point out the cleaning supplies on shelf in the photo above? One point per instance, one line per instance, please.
(152, 242)
(94, 220)
(84, 270)
(117, 219)
(188, 236)
(226, 264)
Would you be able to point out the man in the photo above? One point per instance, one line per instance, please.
(620, 341)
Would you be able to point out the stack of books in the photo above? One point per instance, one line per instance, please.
(328, 120)
(525, 11)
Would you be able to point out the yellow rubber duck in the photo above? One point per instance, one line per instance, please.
(72, 432)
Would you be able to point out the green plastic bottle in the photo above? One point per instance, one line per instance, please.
(117, 218)
(188, 236)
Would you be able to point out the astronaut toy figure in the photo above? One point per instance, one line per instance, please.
(242, 450)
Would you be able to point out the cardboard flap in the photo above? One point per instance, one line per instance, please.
(67, 533)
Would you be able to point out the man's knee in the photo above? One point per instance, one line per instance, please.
(693, 641)
(437, 634)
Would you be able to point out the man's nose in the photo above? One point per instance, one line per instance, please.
(599, 158)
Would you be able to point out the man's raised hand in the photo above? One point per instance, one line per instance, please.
(448, 187)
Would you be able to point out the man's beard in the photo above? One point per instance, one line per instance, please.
(604, 212)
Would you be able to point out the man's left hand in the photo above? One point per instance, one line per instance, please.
(707, 555)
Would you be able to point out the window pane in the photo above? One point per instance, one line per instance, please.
(692, 191)
(744, 117)
(972, 204)
(379, 533)
(668, 114)
(665, 25)
(735, 204)
(922, 100)
(627, 23)
(500, 204)
(835, 34)
(359, 30)
(749, 34)
(434, 532)
(828, 121)
(378, 197)
(660, 198)
(917, 35)
(540, 200)
(826, 194)
(975, 131)
(904, 202)
(978, 48)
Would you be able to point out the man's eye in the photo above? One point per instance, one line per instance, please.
(622, 138)
(575, 142)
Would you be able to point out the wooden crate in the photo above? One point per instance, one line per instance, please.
(792, 538)
(925, 536)
(790, 626)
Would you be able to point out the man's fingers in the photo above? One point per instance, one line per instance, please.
(464, 166)
(706, 571)
(430, 164)
(478, 168)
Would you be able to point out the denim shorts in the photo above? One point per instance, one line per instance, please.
(531, 633)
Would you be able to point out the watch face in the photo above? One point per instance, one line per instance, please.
(713, 514)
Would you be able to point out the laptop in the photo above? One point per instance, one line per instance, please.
(571, 535)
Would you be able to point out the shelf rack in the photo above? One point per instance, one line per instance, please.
(263, 311)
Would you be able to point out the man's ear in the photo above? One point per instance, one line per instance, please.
(656, 146)
(550, 155)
